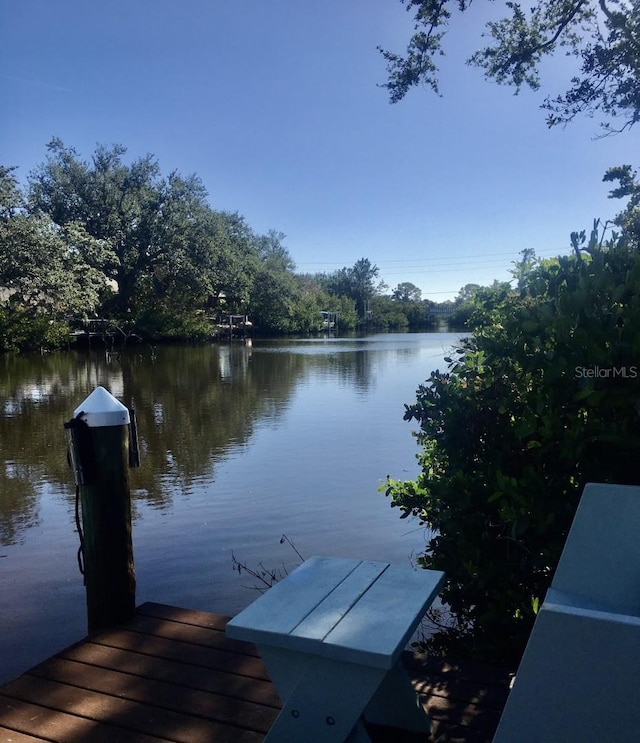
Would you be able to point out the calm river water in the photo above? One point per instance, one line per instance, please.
(240, 444)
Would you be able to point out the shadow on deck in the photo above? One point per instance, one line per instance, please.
(171, 674)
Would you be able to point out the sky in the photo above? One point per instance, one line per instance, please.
(277, 106)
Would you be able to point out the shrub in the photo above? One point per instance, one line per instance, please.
(541, 400)
(29, 331)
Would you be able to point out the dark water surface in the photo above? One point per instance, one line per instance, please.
(239, 444)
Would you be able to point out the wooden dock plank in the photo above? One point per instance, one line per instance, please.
(11, 736)
(159, 647)
(464, 700)
(172, 675)
(168, 696)
(120, 712)
(37, 722)
(196, 677)
(201, 636)
(185, 616)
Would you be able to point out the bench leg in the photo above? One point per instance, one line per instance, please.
(323, 699)
(396, 703)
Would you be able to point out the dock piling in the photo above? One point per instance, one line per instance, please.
(99, 455)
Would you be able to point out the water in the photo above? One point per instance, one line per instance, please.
(240, 444)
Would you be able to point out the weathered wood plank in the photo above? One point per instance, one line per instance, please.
(169, 696)
(39, 722)
(185, 616)
(196, 680)
(452, 712)
(176, 672)
(193, 634)
(243, 665)
(123, 713)
(463, 684)
(12, 736)
(467, 698)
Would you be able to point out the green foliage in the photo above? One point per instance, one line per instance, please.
(476, 305)
(165, 324)
(387, 315)
(153, 226)
(390, 313)
(358, 283)
(21, 330)
(629, 187)
(406, 292)
(116, 240)
(276, 299)
(544, 398)
(604, 35)
(43, 267)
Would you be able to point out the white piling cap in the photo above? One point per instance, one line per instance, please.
(102, 409)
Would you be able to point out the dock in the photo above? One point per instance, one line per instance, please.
(171, 674)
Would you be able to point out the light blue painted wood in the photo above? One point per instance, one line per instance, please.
(326, 615)
(277, 612)
(576, 679)
(331, 634)
(325, 702)
(380, 624)
(361, 612)
(600, 561)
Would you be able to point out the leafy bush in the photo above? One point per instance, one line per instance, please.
(542, 399)
(29, 331)
(163, 324)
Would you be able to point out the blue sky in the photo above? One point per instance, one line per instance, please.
(275, 104)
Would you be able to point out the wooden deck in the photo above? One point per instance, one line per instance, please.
(172, 675)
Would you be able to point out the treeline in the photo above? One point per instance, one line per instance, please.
(146, 253)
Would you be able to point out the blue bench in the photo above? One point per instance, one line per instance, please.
(331, 635)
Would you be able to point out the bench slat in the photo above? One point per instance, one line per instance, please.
(354, 610)
(286, 604)
(380, 624)
(319, 623)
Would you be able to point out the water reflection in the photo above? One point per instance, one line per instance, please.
(238, 445)
(193, 405)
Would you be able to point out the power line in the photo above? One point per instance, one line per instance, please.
(426, 263)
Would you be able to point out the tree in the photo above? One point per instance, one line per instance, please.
(603, 35)
(11, 198)
(407, 292)
(474, 306)
(276, 296)
(357, 283)
(500, 491)
(155, 227)
(467, 293)
(232, 262)
(628, 186)
(43, 267)
(523, 267)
